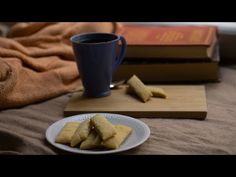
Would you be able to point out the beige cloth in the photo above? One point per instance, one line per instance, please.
(22, 131)
(37, 61)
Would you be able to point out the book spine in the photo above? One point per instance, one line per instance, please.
(170, 73)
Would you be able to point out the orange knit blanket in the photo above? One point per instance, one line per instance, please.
(37, 61)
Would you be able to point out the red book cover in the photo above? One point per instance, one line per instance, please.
(189, 42)
(177, 35)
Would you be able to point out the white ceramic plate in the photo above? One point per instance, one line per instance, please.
(139, 135)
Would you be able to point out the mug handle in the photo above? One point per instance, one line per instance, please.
(122, 53)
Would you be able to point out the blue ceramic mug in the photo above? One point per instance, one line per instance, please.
(97, 57)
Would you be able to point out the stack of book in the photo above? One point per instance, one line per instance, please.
(170, 54)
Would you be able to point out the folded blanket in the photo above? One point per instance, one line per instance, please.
(37, 61)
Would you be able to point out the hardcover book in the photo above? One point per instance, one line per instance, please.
(185, 42)
(178, 71)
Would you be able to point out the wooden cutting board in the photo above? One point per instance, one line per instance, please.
(184, 101)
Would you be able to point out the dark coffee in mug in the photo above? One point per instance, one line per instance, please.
(93, 41)
(97, 57)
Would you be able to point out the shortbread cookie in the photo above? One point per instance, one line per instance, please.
(122, 133)
(66, 133)
(129, 90)
(92, 141)
(157, 92)
(103, 127)
(139, 88)
(81, 133)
